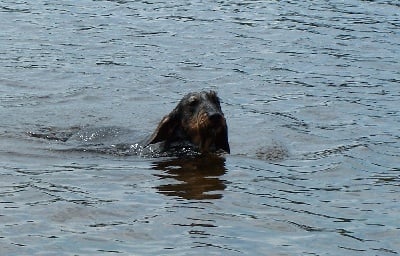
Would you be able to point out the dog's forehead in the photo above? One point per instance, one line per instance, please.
(200, 95)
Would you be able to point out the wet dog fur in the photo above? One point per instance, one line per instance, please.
(197, 121)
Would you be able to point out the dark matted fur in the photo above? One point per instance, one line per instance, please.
(197, 121)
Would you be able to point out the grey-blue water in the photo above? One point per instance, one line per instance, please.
(310, 91)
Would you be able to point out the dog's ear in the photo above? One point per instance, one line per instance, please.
(165, 129)
(221, 140)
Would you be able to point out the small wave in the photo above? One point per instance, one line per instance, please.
(331, 151)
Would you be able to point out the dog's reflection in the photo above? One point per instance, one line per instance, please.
(198, 177)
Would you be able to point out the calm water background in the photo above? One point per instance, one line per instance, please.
(310, 90)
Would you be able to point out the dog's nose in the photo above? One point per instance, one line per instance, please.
(215, 117)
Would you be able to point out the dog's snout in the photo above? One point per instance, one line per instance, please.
(215, 117)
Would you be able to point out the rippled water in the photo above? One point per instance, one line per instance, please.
(309, 90)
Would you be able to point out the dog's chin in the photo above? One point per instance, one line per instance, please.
(207, 139)
(206, 134)
(207, 146)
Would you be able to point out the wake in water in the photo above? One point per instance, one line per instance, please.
(106, 140)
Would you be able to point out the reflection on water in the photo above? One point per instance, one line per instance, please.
(195, 177)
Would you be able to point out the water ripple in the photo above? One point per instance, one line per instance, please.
(310, 92)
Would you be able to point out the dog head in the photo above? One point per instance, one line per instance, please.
(198, 118)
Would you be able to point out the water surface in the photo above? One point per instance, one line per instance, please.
(310, 91)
